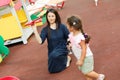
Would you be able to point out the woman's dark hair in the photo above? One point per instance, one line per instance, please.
(58, 19)
(76, 23)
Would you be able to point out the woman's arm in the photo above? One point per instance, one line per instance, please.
(83, 54)
(37, 36)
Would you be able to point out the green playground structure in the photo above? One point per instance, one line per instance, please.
(4, 51)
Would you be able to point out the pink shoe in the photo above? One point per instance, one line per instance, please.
(101, 77)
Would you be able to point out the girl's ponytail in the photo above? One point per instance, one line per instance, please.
(86, 36)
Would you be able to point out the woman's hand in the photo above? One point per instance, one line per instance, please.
(37, 34)
(34, 28)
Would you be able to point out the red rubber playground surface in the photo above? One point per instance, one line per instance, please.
(102, 22)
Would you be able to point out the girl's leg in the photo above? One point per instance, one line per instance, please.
(88, 78)
(95, 75)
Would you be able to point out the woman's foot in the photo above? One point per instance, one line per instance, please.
(68, 61)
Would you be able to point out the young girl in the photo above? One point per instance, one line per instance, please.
(79, 44)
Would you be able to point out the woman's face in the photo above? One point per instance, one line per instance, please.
(51, 17)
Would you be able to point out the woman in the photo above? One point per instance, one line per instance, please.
(56, 34)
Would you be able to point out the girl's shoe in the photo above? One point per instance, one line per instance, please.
(101, 77)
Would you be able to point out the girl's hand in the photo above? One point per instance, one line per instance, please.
(79, 63)
(69, 47)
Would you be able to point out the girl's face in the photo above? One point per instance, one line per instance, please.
(69, 28)
(51, 17)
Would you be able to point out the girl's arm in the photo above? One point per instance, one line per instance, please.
(83, 54)
(38, 38)
(69, 47)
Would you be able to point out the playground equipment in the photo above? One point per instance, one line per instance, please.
(9, 78)
(12, 16)
(38, 17)
(55, 3)
(21, 13)
(39, 8)
(4, 51)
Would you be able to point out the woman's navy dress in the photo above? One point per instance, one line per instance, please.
(57, 50)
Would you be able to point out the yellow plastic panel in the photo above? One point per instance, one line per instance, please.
(21, 15)
(39, 24)
(9, 28)
(6, 15)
